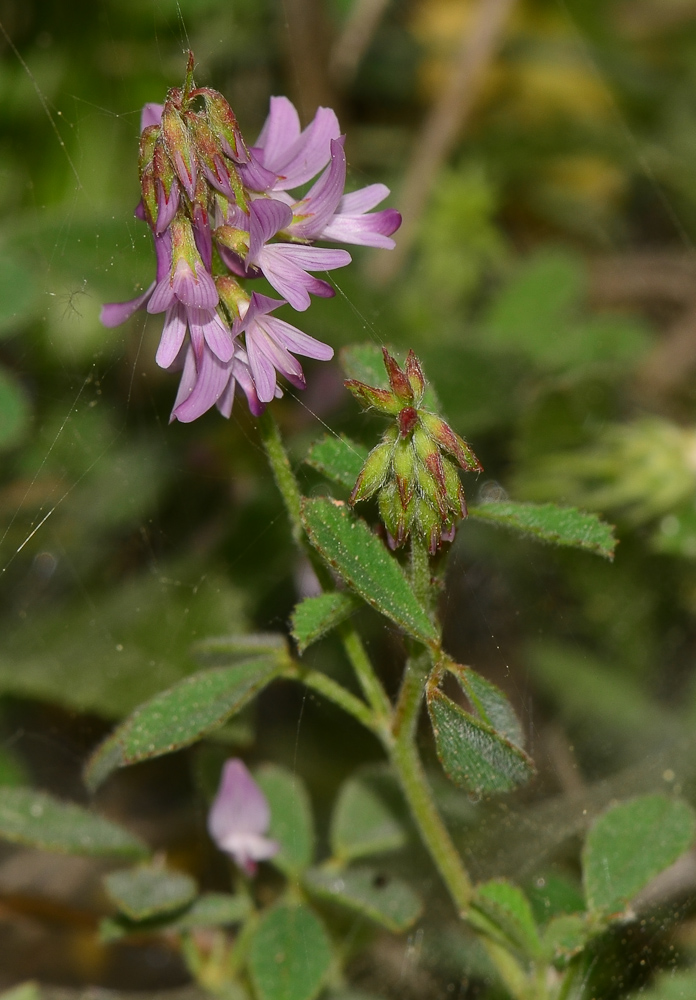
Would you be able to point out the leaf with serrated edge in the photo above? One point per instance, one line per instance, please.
(565, 526)
(315, 616)
(363, 822)
(212, 909)
(338, 458)
(180, 716)
(39, 820)
(630, 844)
(472, 754)
(490, 703)
(507, 915)
(290, 954)
(388, 901)
(141, 893)
(292, 824)
(348, 545)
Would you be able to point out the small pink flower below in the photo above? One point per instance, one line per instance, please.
(239, 818)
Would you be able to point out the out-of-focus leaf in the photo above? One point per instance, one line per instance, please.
(472, 754)
(113, 651)
(554, 895)
(490, 703)
(25, 991)
(364, 821)
(631, 843)
(12, 771)
(338, 458)
(502, 910)
(212, 909)
(290, 954)
(180, 716)
(141, 893)
(388, 901)
(15, 410)
(291, 818)
(677, 984)
(39, 820)
(19, 293)
(565, 936)
(548, 523)
(348, 545)
(316, 616)
(226, 648)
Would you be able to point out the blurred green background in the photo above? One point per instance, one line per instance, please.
(549, 287)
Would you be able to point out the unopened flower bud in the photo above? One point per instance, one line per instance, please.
(382, 399)
(374, 472)
(179, 147)
(453, 488)
(391, 512)
(431, 490)
(223, 123)
(232, 295)
(233, 238)
(448, 439)
(401, 387)
(166, 187)
(428, 522)
(415, 376)
(404, 465)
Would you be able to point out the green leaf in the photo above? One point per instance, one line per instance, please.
(141, 893)
(338, 458)
(290, 954)
(502, 911)
(364, 821)
(630, 844)
(472, 754)
(490, 703)
(553, 895)
(39, 820)
(180, 716)
(387, 901)
(347, 544)
(565, 936)
(291, 818)
(25, 991)
(15, 410)
(546, 522)
(212, 909)
(316, 616)
(673, 985)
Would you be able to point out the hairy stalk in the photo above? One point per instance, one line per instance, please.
(421, 577)
(337, 694)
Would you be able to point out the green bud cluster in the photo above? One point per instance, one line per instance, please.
(411, 470)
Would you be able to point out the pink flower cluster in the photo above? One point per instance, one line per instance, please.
(222, 214)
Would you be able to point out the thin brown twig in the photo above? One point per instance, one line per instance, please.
(354, 41)
(308, 45)
(444, 124)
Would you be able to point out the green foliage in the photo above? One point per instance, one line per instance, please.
(19, 293)
(338, 458)
(211, 909)
(316, 616)
(631, 843)
(145, 892)
(549, 523)
(565, 936)
(40, 820)
(364, 820)
(502, 911)
(490, 703)
(347, 544)
(677, 984)
(180, 716)
(290, 954)
(472, 753)
(15, 410)
(388, 901)
(291, 818)
(25, 991)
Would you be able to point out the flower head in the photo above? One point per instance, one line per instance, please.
(239, 818)
(411, 470)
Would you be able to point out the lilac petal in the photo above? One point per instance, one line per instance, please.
(173, 334)
(319, 204)
(312, 258)
(217, 335)
(282, 360)
(226, 400)
(283, 265)
(367, 230)
(361, 201)
(163, 251)
(151, 115)
(259, 305)
(239, 806)
(248, 848)
(266, 218)
(254, 174)
(262, 368)
(321, 288)
(188, 378)
(247, 384)
(162, 297)
(194, 290)
(233, 262)
(203, 237)
(211, 381)
(188, 180)
(311, 152)
(115, 313)
(139, 212)
(295, 340)
(166, 207)
(280, 132)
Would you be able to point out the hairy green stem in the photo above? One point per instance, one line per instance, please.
(282, 472)
(421, 578)
(336, 693)
(367, 678)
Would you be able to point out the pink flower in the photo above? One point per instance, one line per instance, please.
(239, 817)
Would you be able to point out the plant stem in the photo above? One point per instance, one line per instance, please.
(282, 472)
(336, 693)
(421, 580)
(367, 678)
(406, 761)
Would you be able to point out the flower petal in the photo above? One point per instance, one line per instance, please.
(217, 335)
(315, 210)
(173, 334)
(212, 378)
(239, 806)
(194, 289)
(266, 218)
(295, 340)
(361, 201)
(262, 368)
(115, 313)
(151, 115)
(280, 132)
(372, 230)
(311, 152)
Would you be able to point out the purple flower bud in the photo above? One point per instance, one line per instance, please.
(239, 818)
